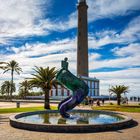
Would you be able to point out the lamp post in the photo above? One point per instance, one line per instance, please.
(109, 93)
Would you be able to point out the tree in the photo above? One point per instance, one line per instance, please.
(6, 87)
(44, 79)
(12, 66)
(118, 90)
(24, 86)
(1, 92)
(1, 65)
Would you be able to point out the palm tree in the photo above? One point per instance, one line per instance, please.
(44, 79)
(1, 67)
(21, 93)
(6, 87)
(118, 90)
(25, 86)
(12, 66)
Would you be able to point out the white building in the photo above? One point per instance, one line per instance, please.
(61, 92)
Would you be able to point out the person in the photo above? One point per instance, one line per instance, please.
(135, 98)
(98, 102)
(103, 101)
(90, 101)
(126, 100)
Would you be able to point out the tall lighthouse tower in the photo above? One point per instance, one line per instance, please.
(82, 42)
(82, 57)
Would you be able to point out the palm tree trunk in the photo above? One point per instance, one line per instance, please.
(8, 95)
(11, 91)
(47, 99)
(25, 92)
(118, 100)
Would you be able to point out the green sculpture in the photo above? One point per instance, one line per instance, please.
(65, 64)
(78, 86)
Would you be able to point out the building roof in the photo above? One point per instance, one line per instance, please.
(89, 78)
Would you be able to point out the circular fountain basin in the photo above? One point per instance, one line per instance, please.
(81, 121)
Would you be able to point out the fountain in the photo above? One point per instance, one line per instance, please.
(66, 120)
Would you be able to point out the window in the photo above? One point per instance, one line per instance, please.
(89, 84)
(93, 84)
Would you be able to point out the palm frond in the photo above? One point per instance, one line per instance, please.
(120, 89)
(44, 77)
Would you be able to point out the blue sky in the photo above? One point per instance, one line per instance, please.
(43, 32)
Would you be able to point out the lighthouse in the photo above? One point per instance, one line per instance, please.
(82, 57)
(82, 39)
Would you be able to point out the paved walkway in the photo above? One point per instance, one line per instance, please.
(9, 133)
(22, 104)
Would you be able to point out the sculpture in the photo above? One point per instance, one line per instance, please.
(78, 86)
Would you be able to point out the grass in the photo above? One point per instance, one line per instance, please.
(121, 108)
(23, 109)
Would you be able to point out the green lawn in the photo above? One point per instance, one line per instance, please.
(23, 109)
(122, 108)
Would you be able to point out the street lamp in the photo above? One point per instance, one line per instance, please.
(109, 93)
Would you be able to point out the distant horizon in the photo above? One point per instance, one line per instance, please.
(42, 33)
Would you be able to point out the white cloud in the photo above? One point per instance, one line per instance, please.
(127, 62)
(60, 25)
(131, 49)
(132, 31)
(109, 8)
(38, 49)
(94, 56)
(99, 39)
(18, 18)
(131, 73)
